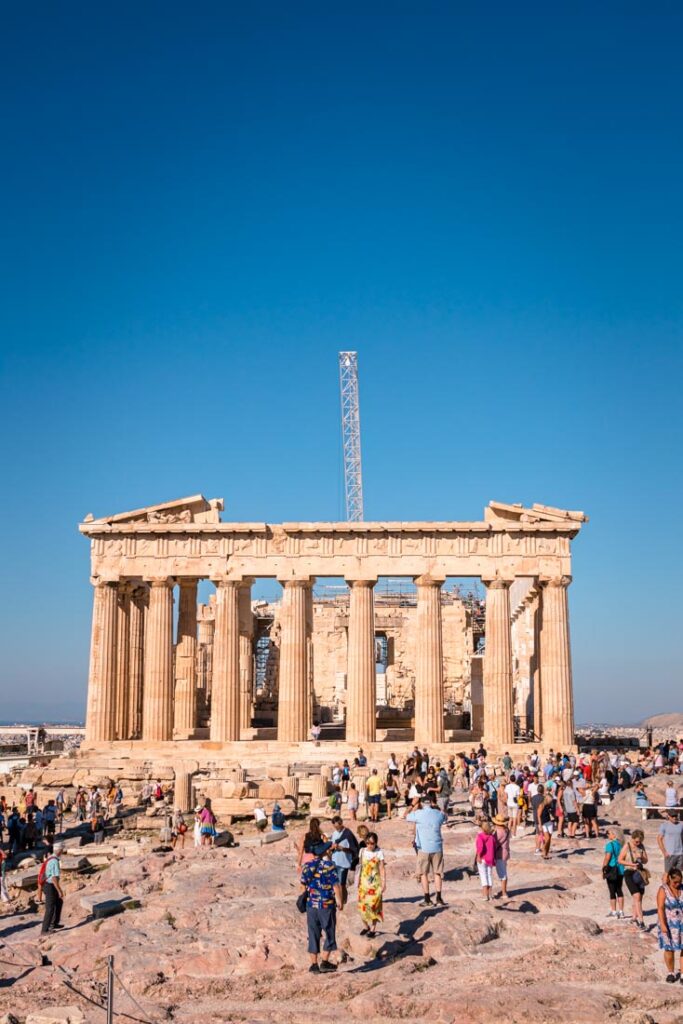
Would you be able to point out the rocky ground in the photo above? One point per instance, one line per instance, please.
(217, 938)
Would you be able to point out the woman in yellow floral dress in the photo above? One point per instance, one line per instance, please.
(372, 884)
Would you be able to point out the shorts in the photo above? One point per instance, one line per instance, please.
(572, 817)
(634, 889)
(590, 812)
(373, 799)
(319, 920)
(429, 864)
(548, 828)
(501, 869)
(342, 875)
(674, 860)
(513, 810)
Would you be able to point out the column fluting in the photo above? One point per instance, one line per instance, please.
(294, 701)
(185, 704)
(225, 687)
(100, 721)
(498, 697)
(157, 710)
(136, 653)
(360, 682)
(246, 621)
(122, 662)
(429, 691)
(557, 695)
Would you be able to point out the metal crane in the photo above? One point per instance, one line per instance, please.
(350, 417)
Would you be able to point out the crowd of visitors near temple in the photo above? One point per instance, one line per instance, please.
(550, 798)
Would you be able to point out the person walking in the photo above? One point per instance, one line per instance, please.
(670, 841)
(390, 793)
(428, 844)
(320, 882)
(613, 871)
(512, 793)
(373, 789)
(344, 853)
(633, 858)
(208, 823)
(309, 840)
(485, 847)
(670, 923)
(372, 884)
(502, 853)
(589, 811)
(52, 891)
(443, 791)
(352, 801)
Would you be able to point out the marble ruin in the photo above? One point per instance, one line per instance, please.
(237, 675)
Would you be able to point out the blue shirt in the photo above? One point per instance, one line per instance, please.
(342, 858)
(428, 822)
(52, 869)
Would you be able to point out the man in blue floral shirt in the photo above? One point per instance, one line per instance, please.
(320, 880)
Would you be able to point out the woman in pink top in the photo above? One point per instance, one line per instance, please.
(485, 846)
(208, 824)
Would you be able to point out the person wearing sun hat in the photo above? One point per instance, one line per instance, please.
(502, 836)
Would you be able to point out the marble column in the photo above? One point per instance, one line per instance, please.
(182, 789)
(185, 704)
(246, 620)
(136, 651)
(557, 696)
(100, 721)
(122, 661)
(293, 690)
(360, 680)
(498, 714)
(225, 690)
(429, 693)
(157, 702)
(205, 618)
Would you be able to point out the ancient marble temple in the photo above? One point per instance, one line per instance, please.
(181, 677)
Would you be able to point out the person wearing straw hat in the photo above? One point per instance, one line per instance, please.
(502, 853)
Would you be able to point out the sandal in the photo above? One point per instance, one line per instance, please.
(365, 931)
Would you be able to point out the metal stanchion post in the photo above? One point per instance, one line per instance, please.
(110, 990)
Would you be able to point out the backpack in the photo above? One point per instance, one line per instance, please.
(43, 869)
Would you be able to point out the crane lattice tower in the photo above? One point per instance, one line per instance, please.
(350, 416)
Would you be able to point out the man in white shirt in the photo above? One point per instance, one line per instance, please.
(512, 792)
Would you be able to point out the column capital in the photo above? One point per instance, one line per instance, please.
(160, 581)
(363, 581)
(497, 584)
(98, 581)
(554, 581)
(429, 580)
(296, 581)
(226, 581)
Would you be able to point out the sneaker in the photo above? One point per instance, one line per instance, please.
(314, 969)
(671, 978)
(439, 901)
(426, 902)
(326, 967)
(612, 913)
(620, 915)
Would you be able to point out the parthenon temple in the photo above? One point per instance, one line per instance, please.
(434, 633)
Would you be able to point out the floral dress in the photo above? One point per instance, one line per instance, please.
(673, 910)
(370, 886)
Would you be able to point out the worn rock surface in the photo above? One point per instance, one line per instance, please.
(214, 936)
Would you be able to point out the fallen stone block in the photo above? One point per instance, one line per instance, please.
(73, 863)
(112, 895)
(107, 909)
(272, 837)
(57, 1015)
(24, 880)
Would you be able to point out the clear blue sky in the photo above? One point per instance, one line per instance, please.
(201, 204)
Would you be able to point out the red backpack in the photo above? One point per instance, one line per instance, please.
(43, 869)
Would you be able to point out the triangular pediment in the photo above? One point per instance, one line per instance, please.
(195, 509)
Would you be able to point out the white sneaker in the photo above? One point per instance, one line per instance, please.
(620, 914)
(612, 913)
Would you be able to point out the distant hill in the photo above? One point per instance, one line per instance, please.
(674, 720)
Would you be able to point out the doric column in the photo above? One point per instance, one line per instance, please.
(498, 716)
(294, 701)
(100, 724)
(557, 697)
(182, 788)
(246, 653)
(429, 695)
(185, 710)
(157, 703)
(225, 689)
(360, 680)
(136, 652)
(122, 661)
